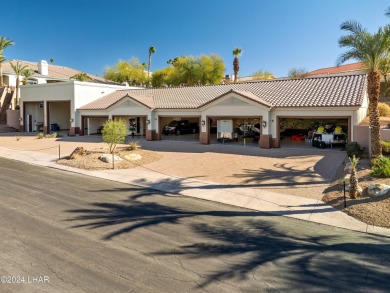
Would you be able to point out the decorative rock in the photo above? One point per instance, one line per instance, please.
(107, 158)
(78, 152)
(133, 157)
(378, 189)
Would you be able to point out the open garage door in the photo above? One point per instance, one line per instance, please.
(322, 133)
(235, 130)
(179, 128)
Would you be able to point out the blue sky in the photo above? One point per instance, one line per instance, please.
(276, 35)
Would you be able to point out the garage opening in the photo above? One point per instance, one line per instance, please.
(58, 116)
(180, 128)
(235, 130)
(331, 133)
(33, 116)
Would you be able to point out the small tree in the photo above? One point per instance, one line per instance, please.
(114, 132)
(353, 191)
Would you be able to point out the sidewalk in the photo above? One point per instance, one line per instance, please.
(255, 199)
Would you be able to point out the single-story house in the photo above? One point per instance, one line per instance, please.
(277, 107)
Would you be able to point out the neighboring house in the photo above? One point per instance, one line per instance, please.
(45, 73)
(53, 106)
(273, 105)
(353, 68)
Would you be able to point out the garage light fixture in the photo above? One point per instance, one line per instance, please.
(71, 120)
(264, 124)
(148, 121)
(203, 123)
(20, 119)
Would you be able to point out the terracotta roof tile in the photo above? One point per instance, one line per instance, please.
(336, 90)
(339, 69)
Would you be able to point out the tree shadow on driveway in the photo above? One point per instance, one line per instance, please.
(238, 246)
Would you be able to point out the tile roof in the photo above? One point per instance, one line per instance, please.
(329, 91)
(339, 69)
(55, 71)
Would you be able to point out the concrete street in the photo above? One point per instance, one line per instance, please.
(92, 235)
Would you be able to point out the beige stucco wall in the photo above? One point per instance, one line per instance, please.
(13, 118)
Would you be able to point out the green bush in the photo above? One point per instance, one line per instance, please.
(114, 132)
(40, 135)
(134, 145)
(353, 149)
(384, 110)
(381, 167)
(385, 148)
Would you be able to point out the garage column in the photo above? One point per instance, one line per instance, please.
(151, 125)
(204, 135)
(265, 140)
(46, 128)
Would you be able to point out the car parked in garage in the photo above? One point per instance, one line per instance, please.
(180, 127)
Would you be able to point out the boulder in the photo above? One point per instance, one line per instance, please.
(78, 152)
(133, 157)
(378, 189)
(107, 158)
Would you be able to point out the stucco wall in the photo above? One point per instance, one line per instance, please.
(13, 118)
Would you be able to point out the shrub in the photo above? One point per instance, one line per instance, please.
(40, 135)
(381, 167)
(385, 147)
(114, 132)
(134, 145)
(384, 110)
(51, 135)
(353, 149)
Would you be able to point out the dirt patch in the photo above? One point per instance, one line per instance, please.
(370, 210)
(90, 160)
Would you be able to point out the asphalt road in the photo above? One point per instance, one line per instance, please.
(63, 232)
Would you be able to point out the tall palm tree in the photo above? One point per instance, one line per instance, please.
(18, 69)
(27, 73)
(4, 43)
(370, 49)
(236, 62)
(353, 180)
(152, 50)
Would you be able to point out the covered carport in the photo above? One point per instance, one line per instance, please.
(58, 115)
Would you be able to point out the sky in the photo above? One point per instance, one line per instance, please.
(274, 35)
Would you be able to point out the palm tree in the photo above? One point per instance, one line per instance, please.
(152, 50)
(236, 62)
(51, 60)
(18, 69)
(81, 76)
(4, 43)
(353, 180)
(370, 49)
(27, 73)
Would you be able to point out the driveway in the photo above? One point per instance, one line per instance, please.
(302, 172)
(83, 234)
